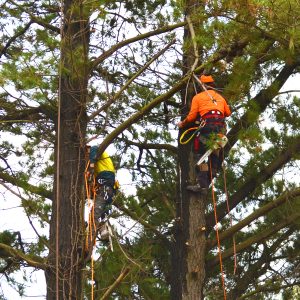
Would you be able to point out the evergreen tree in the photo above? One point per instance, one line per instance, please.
(73, 71)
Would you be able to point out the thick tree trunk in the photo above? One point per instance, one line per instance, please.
(66, 227)
(188, 252)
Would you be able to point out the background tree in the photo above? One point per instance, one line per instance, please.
(77, 70)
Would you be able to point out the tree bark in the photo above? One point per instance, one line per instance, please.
(188, 249)
(66, 227)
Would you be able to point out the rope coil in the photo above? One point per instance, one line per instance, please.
(196, 130)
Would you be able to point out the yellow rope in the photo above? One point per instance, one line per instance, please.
(183, 135)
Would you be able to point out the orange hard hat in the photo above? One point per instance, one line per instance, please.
(206, 79)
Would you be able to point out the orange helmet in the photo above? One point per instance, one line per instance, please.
(206, 79)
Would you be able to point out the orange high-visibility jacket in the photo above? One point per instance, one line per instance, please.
(202, 103)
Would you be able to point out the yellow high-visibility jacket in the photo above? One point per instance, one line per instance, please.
(104, 164)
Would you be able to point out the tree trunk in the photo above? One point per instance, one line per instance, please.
(66, 235)
(188, 251)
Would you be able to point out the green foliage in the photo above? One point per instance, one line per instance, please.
(7, 237)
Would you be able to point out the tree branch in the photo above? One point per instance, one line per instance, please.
(135, 217)
(262, 236)
(258, 268)
(116, 47)
(108, 292)
(36, 19)
(268, 287)
(145, 145)
(7, 251)
(41, 191)
(140, 71)
(256, 180)
(164, 97)
(258, 105)
(13, 38)
(28, 115)
(255, 215)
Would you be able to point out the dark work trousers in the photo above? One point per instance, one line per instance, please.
(206, 171)
(105, 192)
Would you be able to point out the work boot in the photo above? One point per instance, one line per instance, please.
(203, 179)
(99, 206)
(104, 233)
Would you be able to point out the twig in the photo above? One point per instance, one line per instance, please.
(108, 292)
(125, 86)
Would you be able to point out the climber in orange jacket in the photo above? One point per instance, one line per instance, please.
(210, 106)
(206, 101)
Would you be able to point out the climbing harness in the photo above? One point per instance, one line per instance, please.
(218, 143)
(196, 130)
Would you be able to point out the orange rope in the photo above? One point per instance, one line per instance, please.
(217, 230)
(92, 278)
(94, 190)
(93, 224)
(230, 216)
(91, 220)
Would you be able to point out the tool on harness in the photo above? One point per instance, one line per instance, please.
(218, 143)
(196, 130)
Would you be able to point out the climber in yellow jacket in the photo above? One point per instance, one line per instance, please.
(105, 176)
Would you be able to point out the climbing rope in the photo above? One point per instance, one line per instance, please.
(205, 89)
(90, 191)
(195, 129)
(185, 132)
(217, 230)
(230, 216)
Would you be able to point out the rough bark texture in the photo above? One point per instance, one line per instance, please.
(68, 186)
(188, 251)
(188, 255)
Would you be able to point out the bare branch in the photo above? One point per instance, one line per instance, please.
(38, 262)
(145, 145)
(256, 180)
(255, 215)
(140, 71)
(258, 238)
(116, 47)
(108, 292)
